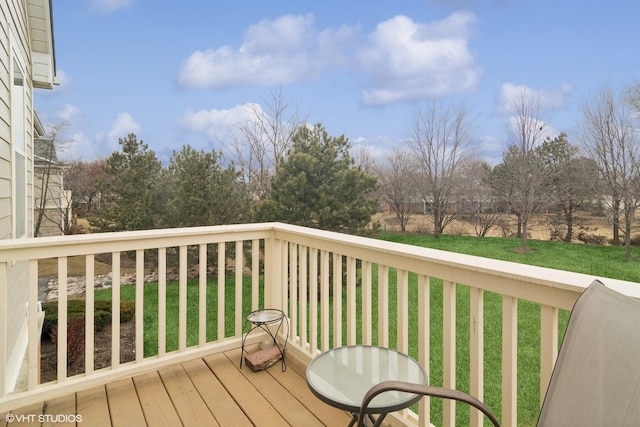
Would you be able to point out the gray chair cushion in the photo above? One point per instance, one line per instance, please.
(596, 379)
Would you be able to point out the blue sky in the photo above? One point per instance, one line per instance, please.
(177, 73)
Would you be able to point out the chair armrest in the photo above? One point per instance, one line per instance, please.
(424, 390)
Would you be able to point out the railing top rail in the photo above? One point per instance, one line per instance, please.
(82, 244)
(496, 275)
(509, 278)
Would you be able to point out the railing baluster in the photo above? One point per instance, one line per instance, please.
(139, 305)
(281, 285)
(366, 303)
(337, 300)
(449, 348)
(34, 330)
(509, 360)
(304, 286)
(238, 297)
(476, 348)
(383, 305)
(424, 345)
(313, 300)
(89, 300)
(293, 290)
(351, 301)
(62, 319)
(403, 311)
(324, 300)
(162, 301)
(182, 299)
(548, 346)
(115, 310)
(221, 289)
(202, 294)
(255, 274)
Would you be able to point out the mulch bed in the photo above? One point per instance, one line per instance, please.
(101, 357)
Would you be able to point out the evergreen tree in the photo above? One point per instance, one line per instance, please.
(202, 192)
(131, 195)
(318, 186)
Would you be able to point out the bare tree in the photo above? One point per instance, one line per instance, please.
(397, 188)
(440, 139)
(365, 160)
(82, 179)
(53, 204)
(530, 179)
(608, 136)
(477, 202)
(259, 143)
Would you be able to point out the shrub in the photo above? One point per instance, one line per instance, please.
(76, 310)
(591, 239)
(75, 339)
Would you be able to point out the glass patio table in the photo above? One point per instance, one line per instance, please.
(342, 376)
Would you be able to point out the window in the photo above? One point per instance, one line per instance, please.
(18, 139)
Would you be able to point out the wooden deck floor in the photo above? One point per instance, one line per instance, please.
(211, 391)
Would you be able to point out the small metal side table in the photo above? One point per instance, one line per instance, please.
(262, 319)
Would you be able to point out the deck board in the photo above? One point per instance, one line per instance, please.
(124, 405)
(60, 412)
(258, 410)
(225, 410)
(280, 397)
(92, 405)
(205, 391)
(155, 401)
(190, 407)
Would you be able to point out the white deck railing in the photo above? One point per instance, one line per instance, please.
(303, 272)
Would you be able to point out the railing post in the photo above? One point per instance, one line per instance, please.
(4, 285)
(273, 273)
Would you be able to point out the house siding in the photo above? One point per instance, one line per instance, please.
(5, 131)
(15, 41)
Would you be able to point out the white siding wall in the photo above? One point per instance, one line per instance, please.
(14, 42)
(5, 130)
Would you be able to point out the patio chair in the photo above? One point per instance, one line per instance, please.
(596, 378)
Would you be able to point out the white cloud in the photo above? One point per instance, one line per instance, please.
(406, 60)
(69, 113)
(401, 60)
(108, 6)
(123, 125)
(217, 124)
(81, 147)
(549, 98)
(274, 52)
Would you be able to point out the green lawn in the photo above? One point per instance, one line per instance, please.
(600, 261)
(151, 310)
(604, 261)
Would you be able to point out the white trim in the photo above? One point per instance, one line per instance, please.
(19, 145)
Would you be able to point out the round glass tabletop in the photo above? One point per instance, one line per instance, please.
(266, 316)
(342, 376)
